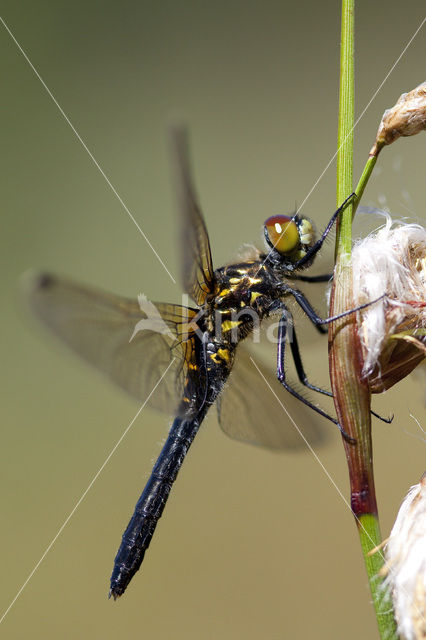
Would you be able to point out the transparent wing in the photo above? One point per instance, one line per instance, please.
(133, 343)
(198, 275)
(248, 410)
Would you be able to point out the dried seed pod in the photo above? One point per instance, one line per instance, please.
(391, 261)
(406, 118)
(406, 564)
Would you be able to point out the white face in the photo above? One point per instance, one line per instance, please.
(306, 232)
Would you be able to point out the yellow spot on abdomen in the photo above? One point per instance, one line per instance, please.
(224, 354)
(221, 355)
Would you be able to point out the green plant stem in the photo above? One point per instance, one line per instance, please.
(345, 127)
(362, 182)
(370, 538)
(351, 392)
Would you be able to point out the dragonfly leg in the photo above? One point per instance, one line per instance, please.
(295, 351)
(316, 320)
(323, 277)
(318, 244)
(281, 375)
(377, 415)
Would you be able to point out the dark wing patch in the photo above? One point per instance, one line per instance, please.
(133, 346)
(197, 267)
(248, 410)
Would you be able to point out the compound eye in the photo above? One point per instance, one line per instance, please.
(282, 233)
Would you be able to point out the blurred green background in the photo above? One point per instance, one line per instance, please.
(252, 544)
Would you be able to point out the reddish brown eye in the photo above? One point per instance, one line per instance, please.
(283, 233)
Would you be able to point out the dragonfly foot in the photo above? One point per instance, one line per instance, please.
(346, 435)
(387, 420)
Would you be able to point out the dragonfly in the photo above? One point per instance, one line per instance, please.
(196, 351)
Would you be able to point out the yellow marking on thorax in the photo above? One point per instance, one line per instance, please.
(297, 255)
(224, 292)
(227, 325)
(254, 295)
(234, 280)
(255, 280)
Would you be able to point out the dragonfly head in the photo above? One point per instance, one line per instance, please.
(289, 238)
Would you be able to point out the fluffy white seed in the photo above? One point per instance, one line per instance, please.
(392, 261)
(406, 564)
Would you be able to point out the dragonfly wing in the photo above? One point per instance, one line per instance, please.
(251, 408)
(133, 343)
(198, 274)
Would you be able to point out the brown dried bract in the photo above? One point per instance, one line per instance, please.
(406, 118)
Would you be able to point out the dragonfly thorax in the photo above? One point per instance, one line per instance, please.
(244, 294)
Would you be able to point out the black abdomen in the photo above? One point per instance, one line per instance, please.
(139, 532)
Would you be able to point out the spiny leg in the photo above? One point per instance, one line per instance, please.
(281, 375)
(295, 351)
(318, 321)
(377, 415)
(318, 244)
(324, 277)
